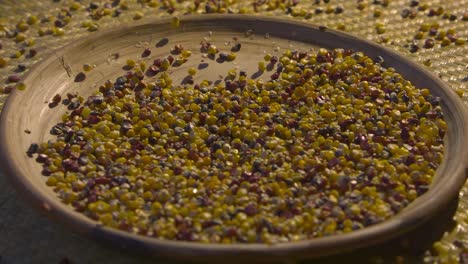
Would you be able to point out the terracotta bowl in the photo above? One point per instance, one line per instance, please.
(57, 73)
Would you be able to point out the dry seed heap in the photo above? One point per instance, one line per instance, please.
(332, 142)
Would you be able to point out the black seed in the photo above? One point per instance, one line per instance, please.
(236, 47)
(32, 149)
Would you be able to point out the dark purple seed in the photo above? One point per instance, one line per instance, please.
(14, 78)
(250, 210)
(32, 53)
(265, 108)
(125, 226)
(339, 10)
(405, 13)
(146, 53)
(70, 165)
(56, 99)
(414, 3)
(157, 62)
(405, 134)
(7, 89)
(32, 149)
(97, 100)
(211, 223)
(102, 181)
(46, 172)
(236, 47)
(441, 133)
(421, 189)
(185, 235)
(93, 119)
(59, 23)
(21, 68)
(93, 5)
(459, 243)
(42, 158)
(242, 73)
(433, 31)
(429, 43)
(414, 48)
(79, 206)
(452, 38)
(376, 79)
(275, 76)
(170, 59)
(120, 180)
(279, 68)
(230, 232)
(80, 77)
(333, 162)
(223, 56)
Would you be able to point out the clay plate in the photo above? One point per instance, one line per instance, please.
(28, 110)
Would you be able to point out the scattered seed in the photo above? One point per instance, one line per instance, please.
(138, 15)
(80, 77)
(13, 78)
(146, 53)
(175, 22)
(20, 68)
(88, 67)
(20, 86)
(7, 89)
(192, 71)
(131, 63)
(429, 43)
(236, 47)
(414, 48)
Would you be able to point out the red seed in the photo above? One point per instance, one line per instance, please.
(146, 53)
(250, 209)
(170, 59)
(32, 53)
(57, 98)
(13, 78)
(429, 43)
(7, 89)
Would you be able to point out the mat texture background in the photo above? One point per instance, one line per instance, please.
(28, 237)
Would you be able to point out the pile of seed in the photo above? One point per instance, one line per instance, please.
(18, 36)
(330, 143)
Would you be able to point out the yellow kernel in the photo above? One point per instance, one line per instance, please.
(192, 71)
(186, 53)
(261, 66)
(130, 63)
(175, 22)
(88, 67)
(138, 15)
